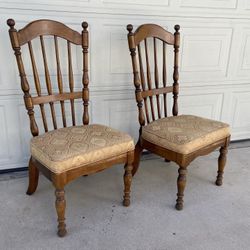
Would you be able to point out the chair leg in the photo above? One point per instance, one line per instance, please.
(60, 208)
(181, 183)
(138, 150)
(221, 164)
(127, 180)
(33, 178)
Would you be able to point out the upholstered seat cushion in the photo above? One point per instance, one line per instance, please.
(185, 133)
(67, 148)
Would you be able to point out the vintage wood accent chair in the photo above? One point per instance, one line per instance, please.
(177, 138)
(65, 154)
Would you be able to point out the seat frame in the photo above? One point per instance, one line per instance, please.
(141, 94)
(57, 29)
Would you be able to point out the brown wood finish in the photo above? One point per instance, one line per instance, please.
(71, 83)
(40, 29)
(60, 209)
(176, 70)
(37, 85)
(48, 82)
(157, 92)
(48, 27)
(59, 80)
(164, 78)
(43, 99)
(85, 78)
(153, 30)
(142, 94)
(33, 177)
(221, 164)
(149, 79)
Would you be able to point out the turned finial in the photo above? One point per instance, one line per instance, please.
(11, 23)
(85, 25)
(177, 27)
(129, 28)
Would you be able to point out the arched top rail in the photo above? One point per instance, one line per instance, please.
(48, 27)
(153, 30)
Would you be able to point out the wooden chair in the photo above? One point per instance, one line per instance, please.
(177, 138)
(65, 154)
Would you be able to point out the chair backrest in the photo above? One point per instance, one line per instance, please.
(138, 42)
(55, 30)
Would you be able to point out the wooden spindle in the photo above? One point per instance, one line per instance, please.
(71, 83)
(137, 82)
(164, 77)
(85, 79)
(34, 69)
(37, 85)
(156, 77)
(143, 82)
(59, 80)
(176, 71)
(48, 82)
(149, 79)
(24, 83)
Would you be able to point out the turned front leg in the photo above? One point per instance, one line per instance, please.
(60, 208)
(181, 183)
(127, 184)
(221, 164)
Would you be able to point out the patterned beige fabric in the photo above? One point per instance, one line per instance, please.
(185, 133)
(68, 148)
